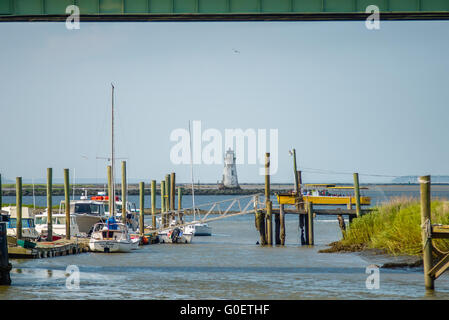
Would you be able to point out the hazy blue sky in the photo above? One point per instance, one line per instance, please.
(347, 98)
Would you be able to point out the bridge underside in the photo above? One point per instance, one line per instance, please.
(222, 10)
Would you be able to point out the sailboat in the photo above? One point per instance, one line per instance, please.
(198, 228)
(112, 236)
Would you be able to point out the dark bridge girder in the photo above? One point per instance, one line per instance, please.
(222, 10)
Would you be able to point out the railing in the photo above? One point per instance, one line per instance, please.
(224, 209)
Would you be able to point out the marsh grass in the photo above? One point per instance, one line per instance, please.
(395, 227)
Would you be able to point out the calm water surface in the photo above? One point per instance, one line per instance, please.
(227, 265)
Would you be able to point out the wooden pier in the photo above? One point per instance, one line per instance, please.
(48, 249)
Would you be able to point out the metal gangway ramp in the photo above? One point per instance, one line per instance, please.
(219, 210)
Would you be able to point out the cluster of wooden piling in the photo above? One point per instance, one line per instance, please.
(168, 201)
(305, 211)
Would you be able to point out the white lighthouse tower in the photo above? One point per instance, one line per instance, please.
(230, 171)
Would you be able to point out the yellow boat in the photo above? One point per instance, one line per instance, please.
(318, 194)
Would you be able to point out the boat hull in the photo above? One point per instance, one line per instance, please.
(202, 230)
(110, 246)
(166, 238)
(86, 222)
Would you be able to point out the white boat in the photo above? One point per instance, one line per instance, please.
(58, 225)
(111, 237)
(87, 213)
(176, 235)
(29, 231)
(132, 214)
(201, 229)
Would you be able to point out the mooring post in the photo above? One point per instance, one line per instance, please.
(277, 229)
(172, 191)
(5, 266)
(153, 203)
(295, 171)
(163, 203)
(310, 223)
(341, 223)
(49, 204)
(141, 207)
(300, 206)
(67, 204)
(19, 207)
(426, 226)
(282, 223)
(167, 193)
(267, 214)
(260, 226)
(269, 226)
(124, 192)
(357, 195)
(349, 206)
(180, 204)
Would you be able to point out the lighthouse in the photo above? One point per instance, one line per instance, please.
(230, 171)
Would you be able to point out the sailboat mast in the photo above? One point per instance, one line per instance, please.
(191, 172)
(112, 209)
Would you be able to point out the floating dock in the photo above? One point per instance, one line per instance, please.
(49, 249)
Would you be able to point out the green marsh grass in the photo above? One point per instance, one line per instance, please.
(395, 227)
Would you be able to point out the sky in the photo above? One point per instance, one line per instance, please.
(348, 99)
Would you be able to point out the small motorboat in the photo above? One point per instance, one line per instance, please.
(176, 235)
(200, 229)
(111, 237)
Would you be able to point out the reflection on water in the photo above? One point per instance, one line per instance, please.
(228, 265)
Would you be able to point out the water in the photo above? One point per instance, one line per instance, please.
(228, 265)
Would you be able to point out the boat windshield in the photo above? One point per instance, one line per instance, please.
(26, 223)
(41, 220)
(89, 208)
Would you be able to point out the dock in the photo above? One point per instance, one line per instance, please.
(49, 249)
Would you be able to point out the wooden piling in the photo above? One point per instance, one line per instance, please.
(162, 186)
(269, 223)
(163, 209)
(141, 208)
(49, 204)
(179, 198)
(349, 206)
(266, 225)
(260, 226)
(277, 229)
(19, 207)
(172, 191)
(295, 171)
(153, 203)
(303, 222)
(426, 231)
(167, 192)
(267, 177)
(341, 223)
(124, 192)
(5, 266)
(282, 224)
(310, 223)
(357, 195)
(180, 204)
(67, 204)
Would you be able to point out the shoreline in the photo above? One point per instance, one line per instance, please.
(378, 257)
